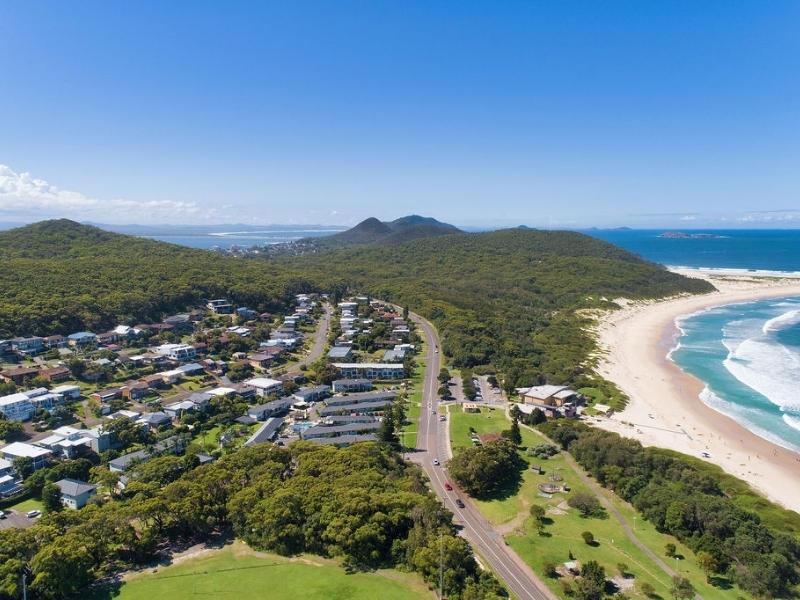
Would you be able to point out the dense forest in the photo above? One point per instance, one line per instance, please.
(361, 504)
(61, 277)
(506, 298)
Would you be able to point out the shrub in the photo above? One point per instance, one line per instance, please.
(588, 537)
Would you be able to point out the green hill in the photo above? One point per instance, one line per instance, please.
(61, 276)
(507, 298)
(372, 231)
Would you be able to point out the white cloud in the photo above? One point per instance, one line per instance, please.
(22, 195)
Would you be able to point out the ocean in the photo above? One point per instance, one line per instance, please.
(756, 249)
(747, 354)
(225, 236)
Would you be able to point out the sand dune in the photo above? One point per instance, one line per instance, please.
(665, 409)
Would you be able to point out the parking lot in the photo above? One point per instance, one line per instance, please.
(15, 518)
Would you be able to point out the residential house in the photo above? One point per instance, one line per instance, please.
(82, 339)
(265, 433)
(262, 412)
(55, 374)
(75, 493)
(135, 390)
(155, 420)
(351, 385)
(106, 395)
(17, 407)
(312, 394)
(182, 323)
(39, 456)
(18, 375)
(261, 360)
(344, 429)
(171, 445)
(265, 386)
(370, 370)
(179, 352)
(55, 341)
(343, 440)
(220, 306)
(248, 314)
(27, 345)
(340, 353)
(70, 392)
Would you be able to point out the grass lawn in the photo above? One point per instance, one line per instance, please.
(565, 525)
(408, 433)
(238, 572)
(26, 505)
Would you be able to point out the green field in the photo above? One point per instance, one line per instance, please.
(238, 572)
(564, 524)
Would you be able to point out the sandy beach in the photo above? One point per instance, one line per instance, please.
(665, 409)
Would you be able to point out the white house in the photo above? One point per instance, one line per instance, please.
(265, 386)
(16, 407)
(74, 493)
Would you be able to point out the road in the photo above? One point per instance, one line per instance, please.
(433, 443)
(318, 346)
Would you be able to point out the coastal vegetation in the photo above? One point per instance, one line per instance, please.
(546, 531)
(361, 505)
(755, 550)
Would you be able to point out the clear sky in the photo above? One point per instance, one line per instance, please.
(546, 113)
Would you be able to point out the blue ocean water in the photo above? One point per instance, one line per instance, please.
(748, 355)
(774, 250)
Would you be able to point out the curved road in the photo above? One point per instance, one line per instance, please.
(433, 443)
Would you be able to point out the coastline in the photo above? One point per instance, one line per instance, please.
(665, 408)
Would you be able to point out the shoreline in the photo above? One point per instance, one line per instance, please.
(665, 408)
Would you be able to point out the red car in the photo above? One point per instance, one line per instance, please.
(448, 487)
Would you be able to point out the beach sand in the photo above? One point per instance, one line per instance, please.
(665, 409)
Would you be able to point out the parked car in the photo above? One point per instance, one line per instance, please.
(2, 514)
(32, 514)
(459, 503)
(442, 418)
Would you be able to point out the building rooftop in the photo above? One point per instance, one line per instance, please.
(74, 487)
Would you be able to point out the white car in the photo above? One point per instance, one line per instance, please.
(2, 514)
(32, 514)
(435, 462)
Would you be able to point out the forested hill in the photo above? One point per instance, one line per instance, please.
(507, 298)
(372, 231)
(61, 276)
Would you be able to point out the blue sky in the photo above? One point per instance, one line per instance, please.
(560, 114)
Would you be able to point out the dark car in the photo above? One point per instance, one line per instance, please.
(459, 503)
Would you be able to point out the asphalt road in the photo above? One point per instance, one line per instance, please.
(318, 345)
(433, 443)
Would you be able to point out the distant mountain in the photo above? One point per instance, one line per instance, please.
(373, 231)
